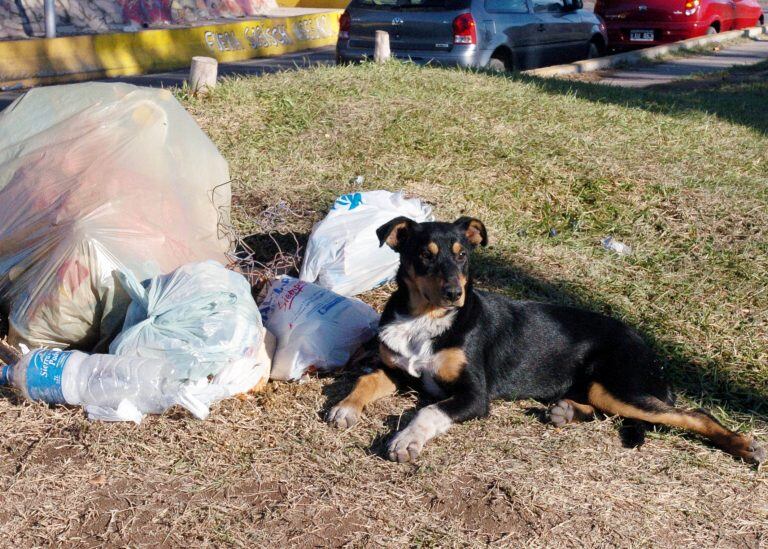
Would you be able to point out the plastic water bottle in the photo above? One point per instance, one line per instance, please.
(613, 245)
(112, 388)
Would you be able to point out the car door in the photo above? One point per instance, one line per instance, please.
(728, 15)
(511, 23)
(559, 29)
(746, 13)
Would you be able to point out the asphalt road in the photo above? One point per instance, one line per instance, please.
(733, 55)
(320, 56)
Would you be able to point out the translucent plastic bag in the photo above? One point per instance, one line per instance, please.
(343, 252)
(95, 179)
(315, 328)
(201, 318)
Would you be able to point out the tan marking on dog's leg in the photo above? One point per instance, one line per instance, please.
(449, 364)
(691, 420)
(368, 389)
(582, 412)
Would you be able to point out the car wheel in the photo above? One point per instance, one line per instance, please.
(594, 51)
(496, 64)
(711, 30)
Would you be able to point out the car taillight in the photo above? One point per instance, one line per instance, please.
(345, 24)
(464, 29)
(691, 7)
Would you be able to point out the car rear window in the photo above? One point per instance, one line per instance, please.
(506, 6)
(415, 4)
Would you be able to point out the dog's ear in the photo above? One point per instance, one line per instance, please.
(394, 233)
(474, 229)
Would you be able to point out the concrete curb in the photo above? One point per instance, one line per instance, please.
(26, 63)
(633, 57)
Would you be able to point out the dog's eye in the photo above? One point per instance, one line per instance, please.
(462, 254)
(426, 255)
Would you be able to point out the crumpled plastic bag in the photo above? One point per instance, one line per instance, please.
(201, 317)
(315, 328)
(343, 252)
(96, 179)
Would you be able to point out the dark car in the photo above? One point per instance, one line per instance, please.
(498, 34)
(640, 23)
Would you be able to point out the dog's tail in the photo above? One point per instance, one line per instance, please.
(654, 410)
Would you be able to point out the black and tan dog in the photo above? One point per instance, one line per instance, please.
(470, 347)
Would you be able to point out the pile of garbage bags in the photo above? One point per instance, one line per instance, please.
(97, 179)
(113, 264)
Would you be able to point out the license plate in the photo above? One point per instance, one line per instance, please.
(641, 35)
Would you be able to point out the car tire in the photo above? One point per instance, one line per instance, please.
(594, 51)
(496, 64)
(711, 30)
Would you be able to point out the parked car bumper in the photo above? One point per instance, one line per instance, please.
(619, 34)
(457, 56)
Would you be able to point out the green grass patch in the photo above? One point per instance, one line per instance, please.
(678, 173)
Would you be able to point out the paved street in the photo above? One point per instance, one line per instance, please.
(738, 54)
(320, 56)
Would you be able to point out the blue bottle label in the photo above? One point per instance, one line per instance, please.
(44, 375)
(5, 375)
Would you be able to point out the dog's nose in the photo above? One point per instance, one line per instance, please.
(451, 293)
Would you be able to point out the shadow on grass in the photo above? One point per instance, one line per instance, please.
(736, 95)
(707, 382)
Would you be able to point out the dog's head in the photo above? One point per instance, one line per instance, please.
(434, 258)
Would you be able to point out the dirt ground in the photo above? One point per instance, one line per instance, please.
(552, 167)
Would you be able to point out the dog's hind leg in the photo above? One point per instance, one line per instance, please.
(368, 389)
(654, 410)
(632, 432)
(567, 411)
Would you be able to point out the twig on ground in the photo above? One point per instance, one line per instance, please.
(8, 354)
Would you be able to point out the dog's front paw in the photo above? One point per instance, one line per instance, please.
(344, 416)
(407, 445)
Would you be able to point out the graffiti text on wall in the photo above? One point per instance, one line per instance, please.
(264, 35)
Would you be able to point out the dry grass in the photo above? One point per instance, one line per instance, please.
(680, 178)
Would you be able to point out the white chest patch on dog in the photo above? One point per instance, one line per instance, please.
(410, 337)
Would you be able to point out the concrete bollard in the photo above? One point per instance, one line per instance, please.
(202, 74)
(382, 53)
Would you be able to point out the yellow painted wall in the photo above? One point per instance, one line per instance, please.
(43, 61)
(335, 4)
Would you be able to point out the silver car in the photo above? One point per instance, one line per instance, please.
(497, 34)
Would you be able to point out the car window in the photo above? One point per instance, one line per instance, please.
(548, 5)
(506, 6)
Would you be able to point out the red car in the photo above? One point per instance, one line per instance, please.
(640, 23)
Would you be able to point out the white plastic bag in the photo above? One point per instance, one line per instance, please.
(201, 317)
(315, 328)
(343, 252)
(97, 178)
